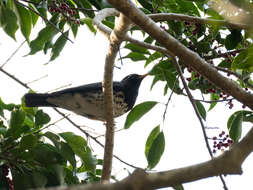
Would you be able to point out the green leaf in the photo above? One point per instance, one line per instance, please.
(46, 154)
(34, 16)
(8, 21)
(58, 46)
(89, 23)
(213, 14)
(146, 4)
(16, 122)
(24, 19)
(39, 179)
(4, 106)
(203, 47)
(175, 27)
(3, 130)
(54, 138)
(246, 116)
(41, 118)
(58, 174)
(28, 141)
(201, 109)
(71, 178)
(45, 35)
(67, 153)
(4, 184)
(155, 80)
(178, 187)
(156, 150)
(244, 60)
(153, 57)
(81, 149)
(135, 56)
(152, 136)
(225, 64)
(74, 29)
(233, 39)
(186, 6)
(43, 8)
(135, 48)
(235, 126)
(22, 180)
(213, 98)
(87, 7)
(193, 84)
(137, 112)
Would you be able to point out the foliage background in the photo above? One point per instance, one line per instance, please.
(82, 68)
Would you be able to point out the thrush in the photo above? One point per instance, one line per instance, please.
(88, 100)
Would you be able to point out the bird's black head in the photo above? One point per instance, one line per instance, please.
(133, 78)
(131, 84)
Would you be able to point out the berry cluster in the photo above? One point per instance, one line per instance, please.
(207, 88)
(221, 142)
(67, 12)
(5, 170)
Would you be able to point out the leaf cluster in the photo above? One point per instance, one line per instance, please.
(37, 157)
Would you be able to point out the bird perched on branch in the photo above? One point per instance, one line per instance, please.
(88, 100)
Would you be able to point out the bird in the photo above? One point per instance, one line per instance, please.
(88, 100)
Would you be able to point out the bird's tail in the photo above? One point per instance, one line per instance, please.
(37, 100)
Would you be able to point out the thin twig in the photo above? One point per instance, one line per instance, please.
(214, 101)
(12, 55)
(14, 78)
(35, 80)
(64, 86)
(182, 17)
(49, 125)
(46, 20)
(180, 73)
(244, 79)
(167, 103)
(208, 57)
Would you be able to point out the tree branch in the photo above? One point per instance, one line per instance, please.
(181, 17)
(115, 39)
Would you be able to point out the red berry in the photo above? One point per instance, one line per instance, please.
(77, 22)
(214, 138)
(70, 12)
(243, 106)
(189, 79)
(51, 9)
(225, 145)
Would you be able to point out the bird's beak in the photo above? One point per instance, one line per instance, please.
(143, 76)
